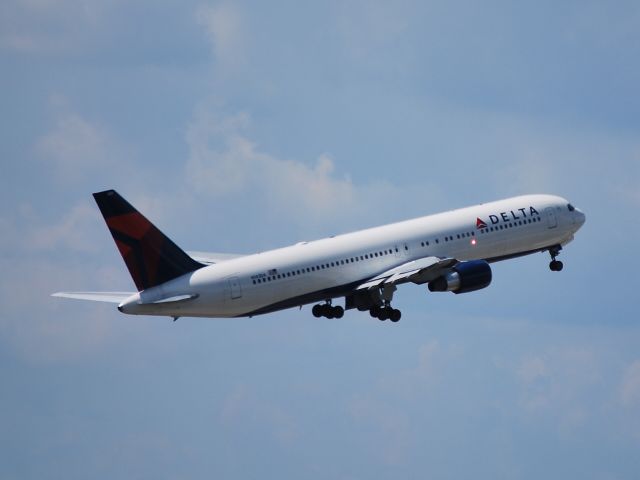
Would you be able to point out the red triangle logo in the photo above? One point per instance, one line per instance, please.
(480, 223)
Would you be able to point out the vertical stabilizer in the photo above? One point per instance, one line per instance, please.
(151, 257)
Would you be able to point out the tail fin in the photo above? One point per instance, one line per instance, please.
(151, 257)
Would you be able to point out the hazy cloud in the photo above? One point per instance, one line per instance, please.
(75, 147)
(43, 330)
(532, 369)
(630, 387)
(225, 28)
(557, 382)
(76, 231)
(420, 379)
(46, 26)
(243, 405)
(367, 27)
(389, 427)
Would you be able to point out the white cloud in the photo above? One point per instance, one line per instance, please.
(27, 233)
(73, 140)
(75, 147)
(224, 161)
(42, 257)
(224, 26)
(516, 153)
(76, 231)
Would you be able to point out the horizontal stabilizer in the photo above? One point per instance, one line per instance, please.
(174, 299)
(109, 297)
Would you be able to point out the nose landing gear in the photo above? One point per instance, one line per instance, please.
(555, 265)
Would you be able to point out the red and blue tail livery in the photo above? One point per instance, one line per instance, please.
(151, 257)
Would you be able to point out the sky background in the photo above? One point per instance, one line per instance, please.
(243, 126)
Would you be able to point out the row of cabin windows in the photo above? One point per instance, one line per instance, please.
(293, 273)
(449, 238)
(511, 225)
(382, 253)
(463, 235)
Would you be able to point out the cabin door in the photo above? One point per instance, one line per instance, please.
(233, 288)
(552, 221)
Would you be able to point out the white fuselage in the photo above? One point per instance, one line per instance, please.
(329, 268)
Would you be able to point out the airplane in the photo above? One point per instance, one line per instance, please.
(447, 252)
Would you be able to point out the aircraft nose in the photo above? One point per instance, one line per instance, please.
(579, 217)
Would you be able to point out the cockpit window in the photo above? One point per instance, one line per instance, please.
(571, 207)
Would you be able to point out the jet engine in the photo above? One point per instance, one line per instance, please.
(464, 277)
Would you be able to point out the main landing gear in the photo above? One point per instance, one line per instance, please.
(382, 309)
(376, 300)
(555, 265)
(327, 310)
(385, 312)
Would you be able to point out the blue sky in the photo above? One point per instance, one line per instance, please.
(242, 126)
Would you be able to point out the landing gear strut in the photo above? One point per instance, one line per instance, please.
(327, 310)
(555, 265)
(382, 309)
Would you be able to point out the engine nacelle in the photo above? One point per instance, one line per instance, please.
(464, 277)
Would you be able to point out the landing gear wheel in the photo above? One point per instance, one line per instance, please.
(385, 314)
(326, 310)
(395, 315)
(556, 266)
(375, 312)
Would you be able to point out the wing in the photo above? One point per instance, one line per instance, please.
(109, 297)
(210, 258)
(418, 271)
(378, 290)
